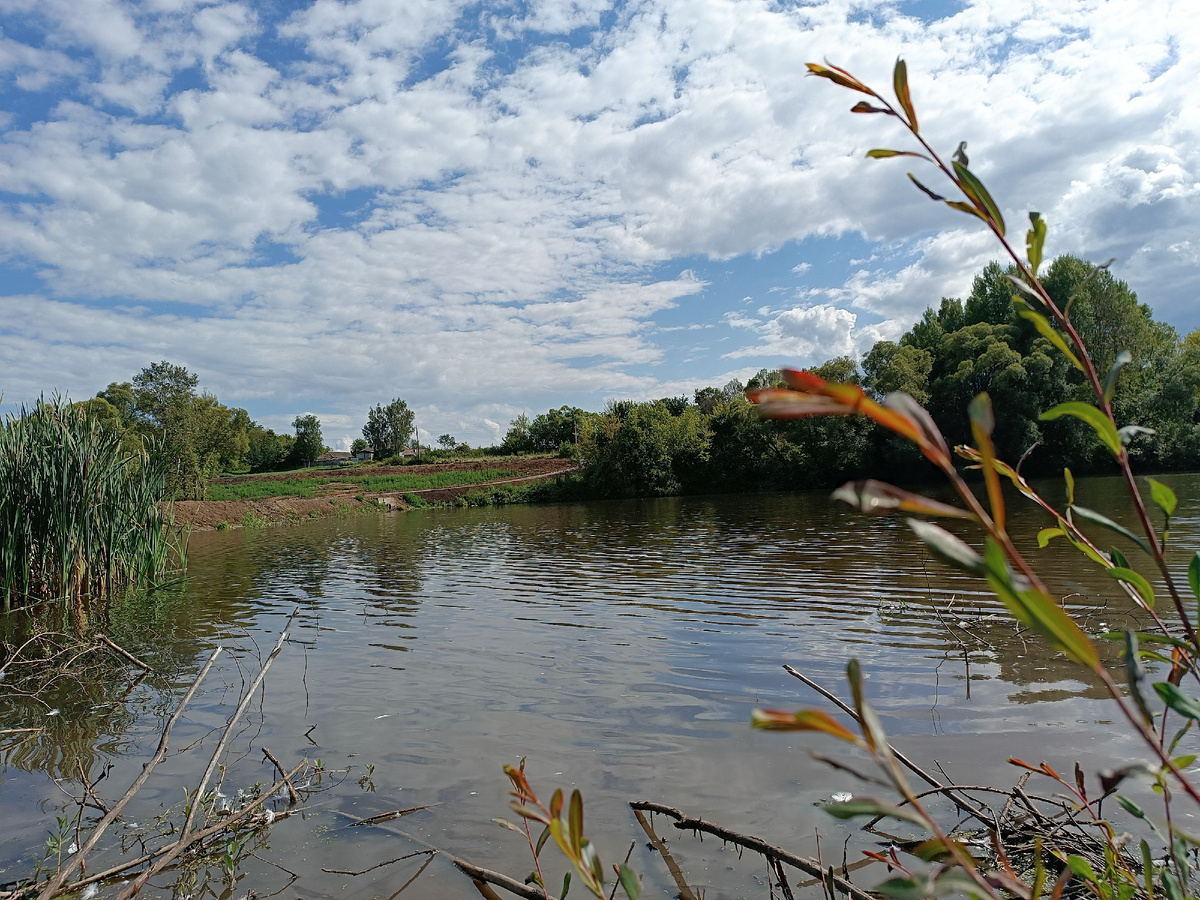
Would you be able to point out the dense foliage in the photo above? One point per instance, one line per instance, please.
(79, 513)
(717, 441)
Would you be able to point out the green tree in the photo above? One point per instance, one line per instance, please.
(266, 450)
(641, 449)
(308, 445)
(389, 428)
(518, 438)
(447, 441)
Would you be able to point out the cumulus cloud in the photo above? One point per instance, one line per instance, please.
(473, 205)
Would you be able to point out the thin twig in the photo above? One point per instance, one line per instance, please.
(377, 865)
(487, 876)
(292, 795)
(685, 892)
(123, 652)
(758, 845)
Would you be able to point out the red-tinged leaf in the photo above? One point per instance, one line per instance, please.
(888, 154)
(967, 208)
(529, 812)
(804, 720)
(982, 423)
(504, 823)
(1002, 467)
(803, 380)
(974, 189)
(838, 76)
(891, 420)
(556, 804)
(862, 106)
(903, 403)
(877, 498)
(900, 84)
(932, 195)
(779, 403)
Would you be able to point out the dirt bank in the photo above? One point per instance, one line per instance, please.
(206, 515)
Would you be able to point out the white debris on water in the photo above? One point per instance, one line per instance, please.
(841, 797)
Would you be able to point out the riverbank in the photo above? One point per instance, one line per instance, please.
(343, 492)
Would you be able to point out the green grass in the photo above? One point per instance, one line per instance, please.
(310, 487)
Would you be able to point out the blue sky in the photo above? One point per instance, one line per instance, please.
(489, 209)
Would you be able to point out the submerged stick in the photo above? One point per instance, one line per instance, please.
(292, 795)
(77, 860)
(487, 876)
(685, 891)
(758, 845)
(197, 798)
(121, 651)
(948, 790)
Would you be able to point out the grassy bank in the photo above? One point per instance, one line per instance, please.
(309, 487)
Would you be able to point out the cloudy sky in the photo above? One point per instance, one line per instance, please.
(490, 208)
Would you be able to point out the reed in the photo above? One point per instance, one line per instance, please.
(80, 517)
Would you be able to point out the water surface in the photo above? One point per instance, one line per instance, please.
(618, 646)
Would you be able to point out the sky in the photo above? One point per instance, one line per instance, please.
(494, 208)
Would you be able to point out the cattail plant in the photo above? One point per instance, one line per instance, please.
(80, 517)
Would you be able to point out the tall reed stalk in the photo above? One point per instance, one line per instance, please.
(79, 516)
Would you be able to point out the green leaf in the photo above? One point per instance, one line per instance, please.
(1122, 359)
(566, 886)
(888, 154)
(541, 841)
(905, 888)
(974, 189)
(1104, 428)
(804, 720)
(932, 195)
(1135, 580)
(1163, 496)
(1171, 885)
(629, 881)
(1038, 610)
(1096, 518)
(575, 823)
(900, 85)
(1081, 867)
(1184, 761)
(1118, 558)
(1177, 700)
(961, 206)
(1130, 807)
(853, 809)
(1046, 330)
(1194, 575)
(947, 547)
(1070, 480)
(1035, 237)
(1046, 535)
(1134, 675)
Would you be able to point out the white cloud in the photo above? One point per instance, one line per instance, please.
(455, 203)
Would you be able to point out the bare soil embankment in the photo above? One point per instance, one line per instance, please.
(342, 500)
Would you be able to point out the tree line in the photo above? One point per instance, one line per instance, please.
(716, 441)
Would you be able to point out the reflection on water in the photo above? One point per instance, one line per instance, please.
(620, 646)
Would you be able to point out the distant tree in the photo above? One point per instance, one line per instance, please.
(357, 446)
(266, 450)
(120, 397)
(518, 438)
(447, 441)
(389, 428)
(308, 444)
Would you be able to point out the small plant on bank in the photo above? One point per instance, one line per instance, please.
(1160, 860)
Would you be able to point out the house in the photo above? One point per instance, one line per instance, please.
(334, 458)
(364, 455)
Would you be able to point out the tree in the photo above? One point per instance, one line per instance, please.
(266, 450)
(389, 428)
(357, 446)
(308, 444)
(447, 441)
(518, 439)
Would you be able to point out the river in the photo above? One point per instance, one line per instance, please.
(618, 646)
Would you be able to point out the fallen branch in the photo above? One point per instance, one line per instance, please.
(378, 865)
(292, 795)
(387, 816)
(487, 876)
(758, 845)
(685, 892)
(121, 651)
